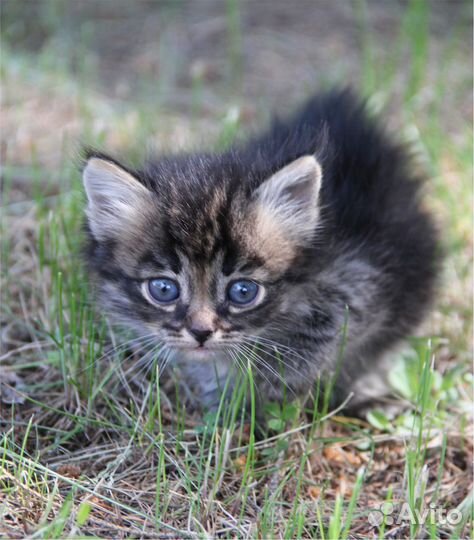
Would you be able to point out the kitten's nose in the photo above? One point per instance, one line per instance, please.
(201, 334)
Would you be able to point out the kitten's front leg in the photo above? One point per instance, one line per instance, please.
(209, 379)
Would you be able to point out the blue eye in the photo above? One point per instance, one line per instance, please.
(163, 290)
(242, 292)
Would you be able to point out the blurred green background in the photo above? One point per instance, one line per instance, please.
(195, 60)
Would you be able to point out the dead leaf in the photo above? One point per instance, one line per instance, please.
(69, 471)
(336, 454)
(314, 492)
(240, 463)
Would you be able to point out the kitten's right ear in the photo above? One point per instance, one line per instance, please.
(290, 198)
(115, 197)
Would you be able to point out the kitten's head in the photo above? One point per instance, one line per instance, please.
(200, 256)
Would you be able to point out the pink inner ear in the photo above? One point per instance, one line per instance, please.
(117, 200)
(301, 191)
(287, 206)
(295, 186)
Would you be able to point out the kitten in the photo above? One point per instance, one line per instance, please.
(305, 246)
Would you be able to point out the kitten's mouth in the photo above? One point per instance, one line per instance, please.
(197, 350)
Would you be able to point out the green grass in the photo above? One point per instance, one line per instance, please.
(89, 446)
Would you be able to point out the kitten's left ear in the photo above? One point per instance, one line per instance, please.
(291, 197)
(115, 198)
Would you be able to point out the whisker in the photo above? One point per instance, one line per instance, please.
(278, 345)
(143, 358)
(147, 359)
(279, 358)
(271, 349)
(270, 368)
(255, 357)
(120, 347)
(235, 357)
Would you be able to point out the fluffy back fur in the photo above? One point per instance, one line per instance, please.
(321, 214)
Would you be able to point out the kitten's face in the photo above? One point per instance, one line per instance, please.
(198, 262)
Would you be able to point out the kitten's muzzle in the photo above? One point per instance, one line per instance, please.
(201, 323)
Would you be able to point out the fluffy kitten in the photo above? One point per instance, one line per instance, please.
(304, 244)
